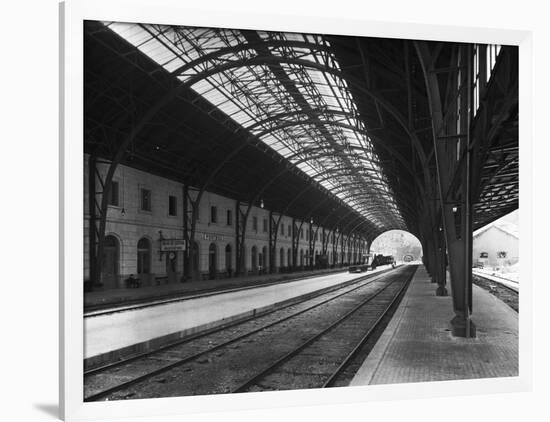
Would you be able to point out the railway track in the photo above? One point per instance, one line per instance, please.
(325, 355)
(505, 293)
(91, 370)
(250, 355)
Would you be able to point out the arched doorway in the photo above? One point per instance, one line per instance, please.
(110, 265)
(253, 258)
(281, 259)
(228, 260)
(212, 255)
(265, 260)
(144, 260)
(289, 258)
(301, 258)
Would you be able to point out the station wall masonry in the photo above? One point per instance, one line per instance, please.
(128, 223)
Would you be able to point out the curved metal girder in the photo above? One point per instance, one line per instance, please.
(343, 125)
(148, 115)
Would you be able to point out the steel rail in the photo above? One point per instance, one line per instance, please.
(499, 283)
(367, 336)
(101, 394)
(253, 380)
(223, 326)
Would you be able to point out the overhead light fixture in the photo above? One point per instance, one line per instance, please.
(261, 203)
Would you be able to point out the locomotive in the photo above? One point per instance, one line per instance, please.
(382, 260)
(376, 261)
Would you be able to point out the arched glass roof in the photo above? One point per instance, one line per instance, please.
(284, 90)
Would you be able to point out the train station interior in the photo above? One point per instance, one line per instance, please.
(192, 191)
(229, 171)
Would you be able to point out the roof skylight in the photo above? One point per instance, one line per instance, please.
(286, 90)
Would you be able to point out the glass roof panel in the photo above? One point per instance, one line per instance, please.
(289, 95)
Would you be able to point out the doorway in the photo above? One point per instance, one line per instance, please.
(264, 260)
(212, 261)
(228, 259)
(172, 267)
(109, 273)
(253, 258)
(144, 260)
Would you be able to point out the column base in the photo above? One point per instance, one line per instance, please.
(459, 324)
(441, 291)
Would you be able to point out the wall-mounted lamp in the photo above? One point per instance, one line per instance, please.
(261, 203)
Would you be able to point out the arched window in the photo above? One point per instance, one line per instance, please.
(144, 256)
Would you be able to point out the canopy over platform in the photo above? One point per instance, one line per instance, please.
(363, 135)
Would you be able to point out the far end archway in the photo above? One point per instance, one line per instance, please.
(399, 244)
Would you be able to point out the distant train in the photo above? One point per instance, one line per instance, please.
(376, 261)
(382, 260)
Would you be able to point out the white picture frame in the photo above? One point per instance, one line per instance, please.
(73, 13)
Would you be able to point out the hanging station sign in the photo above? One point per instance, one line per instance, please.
(212, 237)
(172, 245)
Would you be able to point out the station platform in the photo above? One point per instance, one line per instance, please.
(112, 334)
(512, 284)
(417, 345)
(112, 298)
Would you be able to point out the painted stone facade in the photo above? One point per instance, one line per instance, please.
(495, 246)
(147, 210)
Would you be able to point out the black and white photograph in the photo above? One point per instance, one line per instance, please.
(266, 211)
(270, 210)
